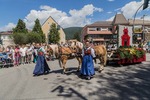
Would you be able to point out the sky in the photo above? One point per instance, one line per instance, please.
(67, 13)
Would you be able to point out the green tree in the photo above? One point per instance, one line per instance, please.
(20, 38)
(37, 29)
(77, 36)
(32, 37)
(54, 35)
(20, 27)
(19, 33)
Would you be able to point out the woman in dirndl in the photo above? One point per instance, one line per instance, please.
(87, 69)
(41, 66)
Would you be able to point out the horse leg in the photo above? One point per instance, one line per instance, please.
(101, 64)
(79, 61)
(105, 59)
(64, 65)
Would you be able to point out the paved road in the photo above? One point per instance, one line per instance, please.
(130, 82)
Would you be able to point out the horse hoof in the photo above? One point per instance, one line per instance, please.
(64, 72)
(78, 70)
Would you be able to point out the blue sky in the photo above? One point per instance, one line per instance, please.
(67, 13)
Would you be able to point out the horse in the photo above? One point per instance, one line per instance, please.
(101, 54)
(70, 52)
(74, 50)
(54, 48)
(49, 52)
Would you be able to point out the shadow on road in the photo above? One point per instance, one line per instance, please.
(68, 93)
(132, 83)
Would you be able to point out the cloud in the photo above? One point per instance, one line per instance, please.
(72, 18)
(111, 0)
(118, 9)
(109, 12)
(129, 9)
(111, 19)
(7, 27)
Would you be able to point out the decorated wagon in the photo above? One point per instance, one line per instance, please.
(126, 53)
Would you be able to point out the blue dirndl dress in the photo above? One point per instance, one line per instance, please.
(41, 66)
(87, 68)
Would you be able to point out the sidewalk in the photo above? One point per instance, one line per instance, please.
(147, 56)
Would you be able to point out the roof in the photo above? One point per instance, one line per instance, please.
(6, 32)
(139, 22)
(101, 23)
(52, 19)
(120, 19)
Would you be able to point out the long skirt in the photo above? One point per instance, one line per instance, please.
(41, 66)
(87, 68)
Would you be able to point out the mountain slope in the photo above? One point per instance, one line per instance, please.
(71, 31)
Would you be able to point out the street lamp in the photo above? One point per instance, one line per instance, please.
(143, 27)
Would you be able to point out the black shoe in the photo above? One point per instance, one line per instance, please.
(81, 75)
(35, 75)
(88, 78)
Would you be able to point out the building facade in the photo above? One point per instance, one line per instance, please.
(141, 29)
(108, 31)
(6, 39)
(46, 29)
(100, 31)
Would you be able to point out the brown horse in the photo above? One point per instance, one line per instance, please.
(75, 51)
(101, 54)
(66, 53)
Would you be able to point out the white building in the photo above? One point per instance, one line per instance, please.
(6, 39)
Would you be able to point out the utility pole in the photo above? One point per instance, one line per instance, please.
(144, 5)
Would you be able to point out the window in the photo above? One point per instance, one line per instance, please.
(98, 29)
(92, 29)
(109, 29)
(104, 29)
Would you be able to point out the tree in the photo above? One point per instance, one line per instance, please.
(145, 4)
(20, 27)
(37, 29)
(77, 36)
(54, 35)
(20, 38)
(32, 37)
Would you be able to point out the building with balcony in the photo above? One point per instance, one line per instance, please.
(108, 31)
(100, 31)
(141, 29)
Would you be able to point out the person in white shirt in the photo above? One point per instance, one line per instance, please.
(23, 54)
